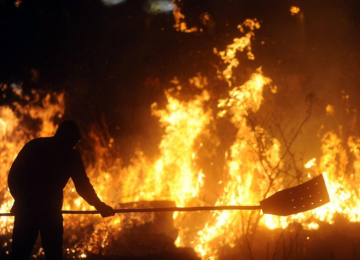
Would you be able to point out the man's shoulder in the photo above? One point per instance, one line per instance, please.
(38, 142)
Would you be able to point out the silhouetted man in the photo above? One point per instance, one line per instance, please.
(36, 181)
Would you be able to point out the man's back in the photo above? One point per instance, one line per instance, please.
(39, 175)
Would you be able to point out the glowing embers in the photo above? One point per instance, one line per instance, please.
(330, 110)
(18, 3)
(180, 24)
(294, 10)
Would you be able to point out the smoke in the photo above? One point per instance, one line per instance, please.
(151, 6)
(159, 6)
(112, 2)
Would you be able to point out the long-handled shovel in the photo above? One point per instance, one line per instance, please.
(307, 196)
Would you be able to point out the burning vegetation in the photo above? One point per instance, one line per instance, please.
(213, 151)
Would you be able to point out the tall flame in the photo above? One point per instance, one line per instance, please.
(174, 175)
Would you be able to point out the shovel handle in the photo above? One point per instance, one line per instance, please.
(167, 209)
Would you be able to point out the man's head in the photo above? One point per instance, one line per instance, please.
(68, 133)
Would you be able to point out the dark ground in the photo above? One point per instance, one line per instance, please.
(338, 241)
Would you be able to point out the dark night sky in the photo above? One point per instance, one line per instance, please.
(117, 60)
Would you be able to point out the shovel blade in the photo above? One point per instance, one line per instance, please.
(307, 196)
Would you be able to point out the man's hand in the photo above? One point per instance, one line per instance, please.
(106, 210)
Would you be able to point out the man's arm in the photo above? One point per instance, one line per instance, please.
(84, 187)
